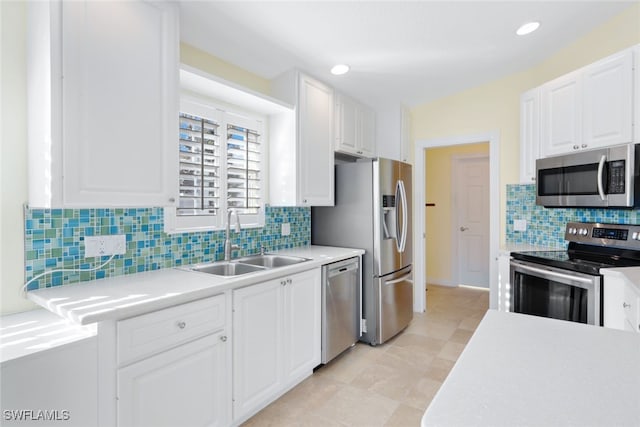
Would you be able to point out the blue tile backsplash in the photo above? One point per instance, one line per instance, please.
(545, 227)
(54, 240)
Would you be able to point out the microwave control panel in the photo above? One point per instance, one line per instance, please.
(615, 184)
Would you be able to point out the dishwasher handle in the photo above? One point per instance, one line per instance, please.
(341, 269)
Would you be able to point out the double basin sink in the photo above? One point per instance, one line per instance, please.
(246, 265)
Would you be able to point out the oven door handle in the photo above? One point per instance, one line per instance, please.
(600, 171)
(552, 273)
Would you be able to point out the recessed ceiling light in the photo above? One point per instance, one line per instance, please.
(340, 69)
(527, 28)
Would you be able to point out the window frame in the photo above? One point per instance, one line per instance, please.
(220, 112)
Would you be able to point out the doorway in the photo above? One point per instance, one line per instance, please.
(420, 211)
(457, 215)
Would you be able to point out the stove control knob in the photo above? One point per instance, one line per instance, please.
(583, 231)
(634, 236)
(573, 231)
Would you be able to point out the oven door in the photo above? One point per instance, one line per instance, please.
(556, 293)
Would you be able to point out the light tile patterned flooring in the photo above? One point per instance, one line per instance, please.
(390, 384)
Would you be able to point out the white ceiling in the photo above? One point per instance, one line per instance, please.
(399, 51)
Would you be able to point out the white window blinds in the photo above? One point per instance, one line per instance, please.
(220, 167)
(199, 166)
(243, 169)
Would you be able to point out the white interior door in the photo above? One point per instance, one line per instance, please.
(471, 220)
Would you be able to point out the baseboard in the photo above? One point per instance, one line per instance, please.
(441, 282)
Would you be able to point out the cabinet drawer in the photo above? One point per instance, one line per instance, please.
(630, 304)
(145, 335)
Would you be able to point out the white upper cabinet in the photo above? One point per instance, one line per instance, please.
(354, 127)
(103, 108)
(561, 115)
(529, 135)
(608, 101)
(589, 108)
(307, 181)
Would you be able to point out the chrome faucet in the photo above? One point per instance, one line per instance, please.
(228, 247)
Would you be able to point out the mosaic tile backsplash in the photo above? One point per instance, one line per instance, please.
(545, 227)
(54, 240)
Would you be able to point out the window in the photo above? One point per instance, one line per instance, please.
(221, 167)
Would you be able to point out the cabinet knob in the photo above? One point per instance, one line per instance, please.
(304, 200)
(625, 305)
(283, 282)
(575, 147)
(288, 281)
(182, 325)
(584, 145)
(533, 178)
(223, 338)
(172, 200)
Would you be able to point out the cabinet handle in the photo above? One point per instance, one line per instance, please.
(625, 305)
(575, 147)
(223, 338)
(182, 325)
(584, 145)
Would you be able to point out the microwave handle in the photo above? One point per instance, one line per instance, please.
(600, 170)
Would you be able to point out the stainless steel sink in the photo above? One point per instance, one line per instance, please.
(246, 265)
(227, 268)
(271, 261)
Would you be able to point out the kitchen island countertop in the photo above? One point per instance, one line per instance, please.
(521, 370)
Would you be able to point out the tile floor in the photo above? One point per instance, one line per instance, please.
(390, 384)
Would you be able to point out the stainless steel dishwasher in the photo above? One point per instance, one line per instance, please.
(341, 307)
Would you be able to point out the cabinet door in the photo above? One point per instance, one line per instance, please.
(257, 337)
(562, 115)
(302, 325)
(119, 103)
(529, 135)
(405, 135)
(186, 386)
(608, 100)
(367, 132)
(613, 298)
(346, 127)
(315, 143)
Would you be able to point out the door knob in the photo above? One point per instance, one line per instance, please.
(464, 228)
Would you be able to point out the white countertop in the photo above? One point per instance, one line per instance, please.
(37, 330)
(520, 370)
(507, 248)
(134, 294)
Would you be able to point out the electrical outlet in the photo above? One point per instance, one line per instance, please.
(519, 225)
(286, 229)
(97, 246)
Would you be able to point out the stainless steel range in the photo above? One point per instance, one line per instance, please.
(567, 284)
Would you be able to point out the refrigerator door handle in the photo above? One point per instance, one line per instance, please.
(400, 188)
(406, 277)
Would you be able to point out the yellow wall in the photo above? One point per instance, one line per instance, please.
(438, 218)
(13, 157)
(495, 106)
(197, 58)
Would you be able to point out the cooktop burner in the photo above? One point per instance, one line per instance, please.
(592, 246)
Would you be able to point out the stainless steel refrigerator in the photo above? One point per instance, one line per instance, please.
(373, 212)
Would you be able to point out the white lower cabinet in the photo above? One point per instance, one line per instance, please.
(184, 386)
(173, 366)
(276, 335)
(621, 308)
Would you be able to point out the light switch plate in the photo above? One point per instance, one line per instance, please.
(519, 225)
(286, 229)
(97, 246)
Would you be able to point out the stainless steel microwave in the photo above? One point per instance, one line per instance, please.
(606, 177)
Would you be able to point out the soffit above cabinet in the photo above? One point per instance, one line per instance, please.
(201, 83)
